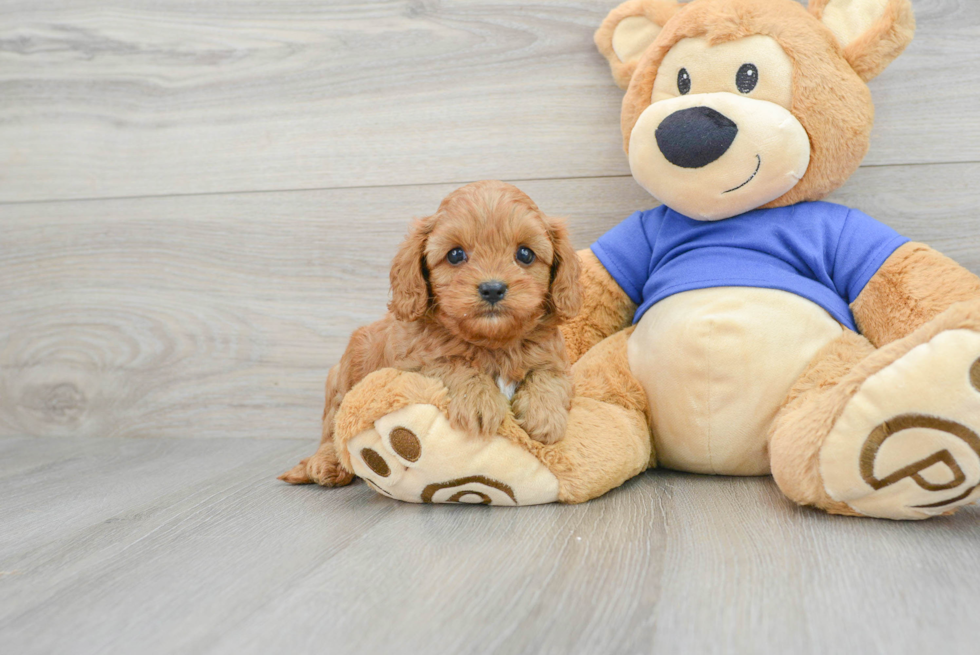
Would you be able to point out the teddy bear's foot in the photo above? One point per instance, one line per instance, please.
(413, 454)
(392, 430)
(907, 444)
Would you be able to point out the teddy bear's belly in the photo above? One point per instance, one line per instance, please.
(716, 365)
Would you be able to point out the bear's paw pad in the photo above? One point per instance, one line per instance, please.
(907, 445)
(414, 455)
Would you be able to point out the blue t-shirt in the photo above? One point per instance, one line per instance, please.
(823, 252)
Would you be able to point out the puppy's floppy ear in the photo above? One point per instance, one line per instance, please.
(628, 31)
(409, 274)
(872, 32)
(566, 288)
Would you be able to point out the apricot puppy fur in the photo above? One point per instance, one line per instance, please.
(478, 292)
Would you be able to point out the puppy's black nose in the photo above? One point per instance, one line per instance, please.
(695, 137)
(492, 291)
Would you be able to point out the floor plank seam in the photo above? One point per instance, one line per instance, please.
(204, 194)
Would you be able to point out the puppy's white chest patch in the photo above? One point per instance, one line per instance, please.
(507, 387)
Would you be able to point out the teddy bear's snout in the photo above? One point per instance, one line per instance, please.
(695, 137)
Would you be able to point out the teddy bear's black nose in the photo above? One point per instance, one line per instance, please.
(492, 291)
(695, 137)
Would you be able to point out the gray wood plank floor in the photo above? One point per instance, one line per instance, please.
(151, 97)
(184, 545)
(199, 202)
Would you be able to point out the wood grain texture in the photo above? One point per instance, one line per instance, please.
(218, 316)
(285, 146)
(168, 545)
(155, 98)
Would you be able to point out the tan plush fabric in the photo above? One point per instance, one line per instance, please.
(873, 32)
(658, 12)
(848, 19)
(378, 394)
(807, 415)
(604, 374)
(912, 287)
(712, 66)
(716, 365)
(607, 441)
(632, 36)
(820, 396)
(606, 308)
(605, 446)
(918, 451)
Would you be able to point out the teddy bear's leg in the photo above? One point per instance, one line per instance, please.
(392, 431)
(803, 423)
(608, 437)
(890, 433)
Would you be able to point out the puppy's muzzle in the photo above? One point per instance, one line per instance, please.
(492, 291)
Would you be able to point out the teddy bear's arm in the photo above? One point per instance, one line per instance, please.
(606, 308)
(913, 286)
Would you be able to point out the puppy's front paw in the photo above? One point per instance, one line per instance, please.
(547, 427)
(480, 413)
(542, 422)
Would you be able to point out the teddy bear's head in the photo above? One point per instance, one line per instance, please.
(733, 105)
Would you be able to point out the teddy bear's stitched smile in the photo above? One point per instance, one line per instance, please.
(758, 165)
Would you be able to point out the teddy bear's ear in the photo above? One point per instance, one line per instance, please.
(628, 31)
(872, 32)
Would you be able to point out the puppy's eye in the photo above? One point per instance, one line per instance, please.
(683, 81)
(746, 78)
(456, 256)
(525, 255)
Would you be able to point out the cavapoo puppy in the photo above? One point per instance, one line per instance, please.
(477, 293)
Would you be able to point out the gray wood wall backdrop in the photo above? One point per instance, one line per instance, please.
(199, 200)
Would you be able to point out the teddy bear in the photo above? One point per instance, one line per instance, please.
(744, 326)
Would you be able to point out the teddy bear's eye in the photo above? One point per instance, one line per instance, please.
(525, 255)
(746, 78)
(456, 256)
(683, 81)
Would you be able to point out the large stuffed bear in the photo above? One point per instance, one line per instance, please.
(743, 327)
